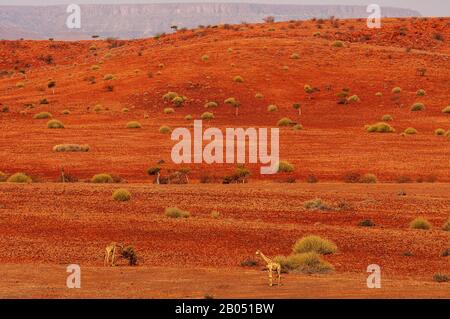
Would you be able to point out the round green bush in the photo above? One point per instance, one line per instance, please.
(178, 101)
(410, 131)
(285, 122)
(188, 117)
(439, 132)
(421, 92)
(238, 79)
(207, 116)
(369, 179)
(42, 115)
(396, 90)
(387, 118)
(309, 263)
(420, 223)
(338, 44)
(314, 244)
(272, 108)
(134, 124)
(211, 105)
(297, 127)
(169, 110)
(121, 195)
(55, 124)
(285, 167)
(169, 96)
(380, 128)
(165, 129)
(102, 179)
(19, 178)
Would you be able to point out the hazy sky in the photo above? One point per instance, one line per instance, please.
(428, 7)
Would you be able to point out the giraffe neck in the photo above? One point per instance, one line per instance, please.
(266, 259)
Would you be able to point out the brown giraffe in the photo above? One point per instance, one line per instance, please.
(110, 253)
(271, 266)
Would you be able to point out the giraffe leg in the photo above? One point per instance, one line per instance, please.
(113, 257)
(270, 278)
(279, 276)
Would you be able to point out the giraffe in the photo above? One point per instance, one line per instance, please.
(271, 266)
(110, 253)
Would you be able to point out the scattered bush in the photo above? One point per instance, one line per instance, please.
(379, 94)
(259, 96)
(108, 77)
(215, 214)
(295, 56)
(175, 212)
(272, 108)
(387, 118)
(396, 90)
(20, 85)
(211, 105)
(366, 223)
(338, 44)
(129, 253)
(310, 263)
(410, 131)
(19, 178)
(439, 132)
(188, 117)
(353, 99)
(125, 110)
(65, 112)
(420, 223)
(71, 148)
(314, 244)
(441, 278)
(238, 79)
(369, 179)
(43, 101)
(316, 204)
(42, 115)
(134, 124)
(178, 101)
(207, 116)
(231, 101)
(446, 109)
(446, 253)
(121, 195)
(169, 110)
(55, 124)
(380, 128)
(165, 130)
(285, 167)
(417, 107)
(297, 127)
(285, 122)
(102, 179)
(169, 96)
(352, 177)
(421, 92)
(205, 58)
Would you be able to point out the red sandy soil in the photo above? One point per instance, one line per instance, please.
(332, 143)
(46, 224)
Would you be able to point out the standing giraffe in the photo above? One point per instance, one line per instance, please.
(110, 253)
(271, 266)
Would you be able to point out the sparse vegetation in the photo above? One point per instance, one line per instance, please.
(387, 118)
(215, 214)
(314, 244)
(295, 56)
(188, 117)
(441, 278)
(238, 79)
(121, 195)
(3, 177)
(421, 92)
(410, 131)
(129, 253)
(108, 77)
(420, 223)
(316, 204)
(71, 148)
(259, 96)
(446, 226)
(168, 110)
(211, 105)
(369, 179)
(102, 178)
(165, 129)
(272, 108)
(20, 178)
(207, 116)
(397, 90)
(338, 44)
(297, 127)
(134, 124)
(446, 110)
(417, 107)
(366, 223)
(42, 115)
(55, 124)
(309, 263)
(439, 132)
(379, 128)
(175, 212)
(285, 167)
(285, 121)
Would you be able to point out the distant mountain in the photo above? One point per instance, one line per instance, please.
(144, 20)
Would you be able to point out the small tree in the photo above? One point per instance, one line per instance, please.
(298, 107)
(155, 171)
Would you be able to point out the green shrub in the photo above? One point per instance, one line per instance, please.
(387, 118)
(314, 244)
(178, 101)
(129, 253)
(446, 226)
(420, 223)
(310, 263)
(259, 96)
(446, 109)
(297, 127)
(3, 177)
(285, 167)
(353, 99)
(397, 90)
(441, 278)
(207, 116)
(417, 107)
(238, 79)
(19, 178)
(380, 128)
(42, 115)
(102, 179)
(421, 92)
(295, 56)
(366, 223)
(316, 204)
(211, 105)
(125, 110)
(108, 77)
(169, 110)
(71, 148)
(285, 121)
(215, 214)
(188, 117)
(368, 179)
(121, 195)
(205, 58)
(165, 129)
(272, 108)
(134, 124)
(410, 131)
(338, 44)
(175, 212)
(231, 101)
(169, 96)
(439, 132)
(55, 124)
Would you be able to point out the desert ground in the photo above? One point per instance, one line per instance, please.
(101, 85)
